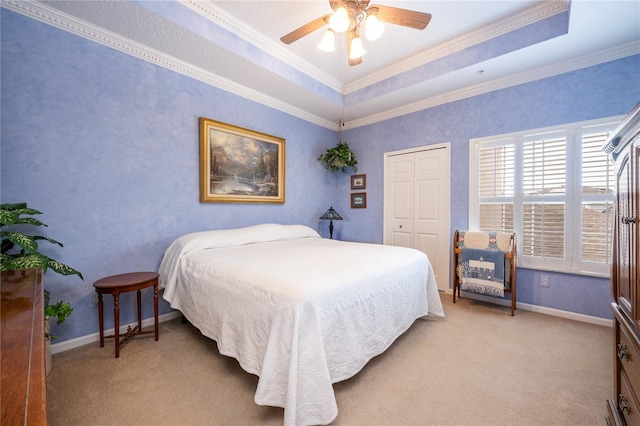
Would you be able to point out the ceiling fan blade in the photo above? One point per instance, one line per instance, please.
(356, 61)
(404, 17)
(305, 29)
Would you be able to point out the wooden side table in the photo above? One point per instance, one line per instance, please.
(116, 284)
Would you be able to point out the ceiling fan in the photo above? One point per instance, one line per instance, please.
(349, 16)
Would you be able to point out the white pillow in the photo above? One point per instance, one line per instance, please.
(227, 238)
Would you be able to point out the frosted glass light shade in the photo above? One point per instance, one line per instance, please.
(373, 28)
(357, 50)
(327, 44)
(339, 21)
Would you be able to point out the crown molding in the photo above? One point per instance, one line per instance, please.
(520, 20)
(612, 54)
(530, 16)
(239, 28)
(56, 18)
(63, 21)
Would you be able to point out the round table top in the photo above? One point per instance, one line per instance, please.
(125, 280)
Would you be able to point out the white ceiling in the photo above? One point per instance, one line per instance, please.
(235, 45)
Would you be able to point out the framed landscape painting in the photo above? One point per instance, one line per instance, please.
(239, 165)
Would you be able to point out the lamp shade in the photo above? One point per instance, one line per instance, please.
(327, 44)
(357, 49)
(373, 28)
(339, 21)
(331, 214)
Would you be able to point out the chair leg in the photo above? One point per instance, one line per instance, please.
(513, 297)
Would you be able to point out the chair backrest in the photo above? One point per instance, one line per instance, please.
(486, 240)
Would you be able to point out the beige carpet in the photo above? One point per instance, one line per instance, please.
(478, 366)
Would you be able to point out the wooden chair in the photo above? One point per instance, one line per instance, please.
(486, 241)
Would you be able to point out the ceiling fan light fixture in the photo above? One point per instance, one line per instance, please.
(327, 44)
(373, 29)
(357, 50)
(339, 21)
(356, 17)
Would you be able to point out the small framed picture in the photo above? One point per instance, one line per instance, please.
(359, 200)
(358, 181)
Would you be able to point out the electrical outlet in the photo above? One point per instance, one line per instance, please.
(95, 299)
(544, 280)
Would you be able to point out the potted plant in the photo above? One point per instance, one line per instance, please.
(20, 251)
(60, 310)
(340, 157)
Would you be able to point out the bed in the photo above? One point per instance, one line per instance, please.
(299, 311)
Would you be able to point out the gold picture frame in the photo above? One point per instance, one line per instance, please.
(239, 165)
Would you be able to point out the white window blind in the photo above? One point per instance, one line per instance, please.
(496, 184)
(543, 186)
(597, 187)
(554, 188)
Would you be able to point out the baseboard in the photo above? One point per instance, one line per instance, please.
(95, 337)
(541, 310)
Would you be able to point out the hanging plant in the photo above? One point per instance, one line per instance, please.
(340, 157)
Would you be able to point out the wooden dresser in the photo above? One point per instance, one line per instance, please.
(624, 145)
(23, 388)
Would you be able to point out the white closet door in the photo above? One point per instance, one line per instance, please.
(399, 208)
(417, 198)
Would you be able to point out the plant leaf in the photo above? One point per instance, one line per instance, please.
(51, 240)
(25, 262)
(8, 217)
(30, 221)
(14, 206)
(27, 242)
(60, 310)
(63, 269)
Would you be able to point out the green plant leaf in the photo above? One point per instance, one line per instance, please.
(12, 207)
(8, 218)
(10, 213)
(60, 311)
(26, 242)
(63, 269)
(25, 262)
(51, 240)
(30, 221)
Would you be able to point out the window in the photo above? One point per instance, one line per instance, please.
(554, 188)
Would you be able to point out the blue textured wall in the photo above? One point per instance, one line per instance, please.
(605, 90)
(106, 146)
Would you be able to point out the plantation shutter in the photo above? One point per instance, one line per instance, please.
(544, 190)
(598, 184)
(496, 187)
(553, 187)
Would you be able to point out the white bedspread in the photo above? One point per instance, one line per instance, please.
(299, 311)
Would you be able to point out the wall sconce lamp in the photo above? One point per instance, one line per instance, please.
(331, 215)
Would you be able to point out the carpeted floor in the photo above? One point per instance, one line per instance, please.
(477, 366)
